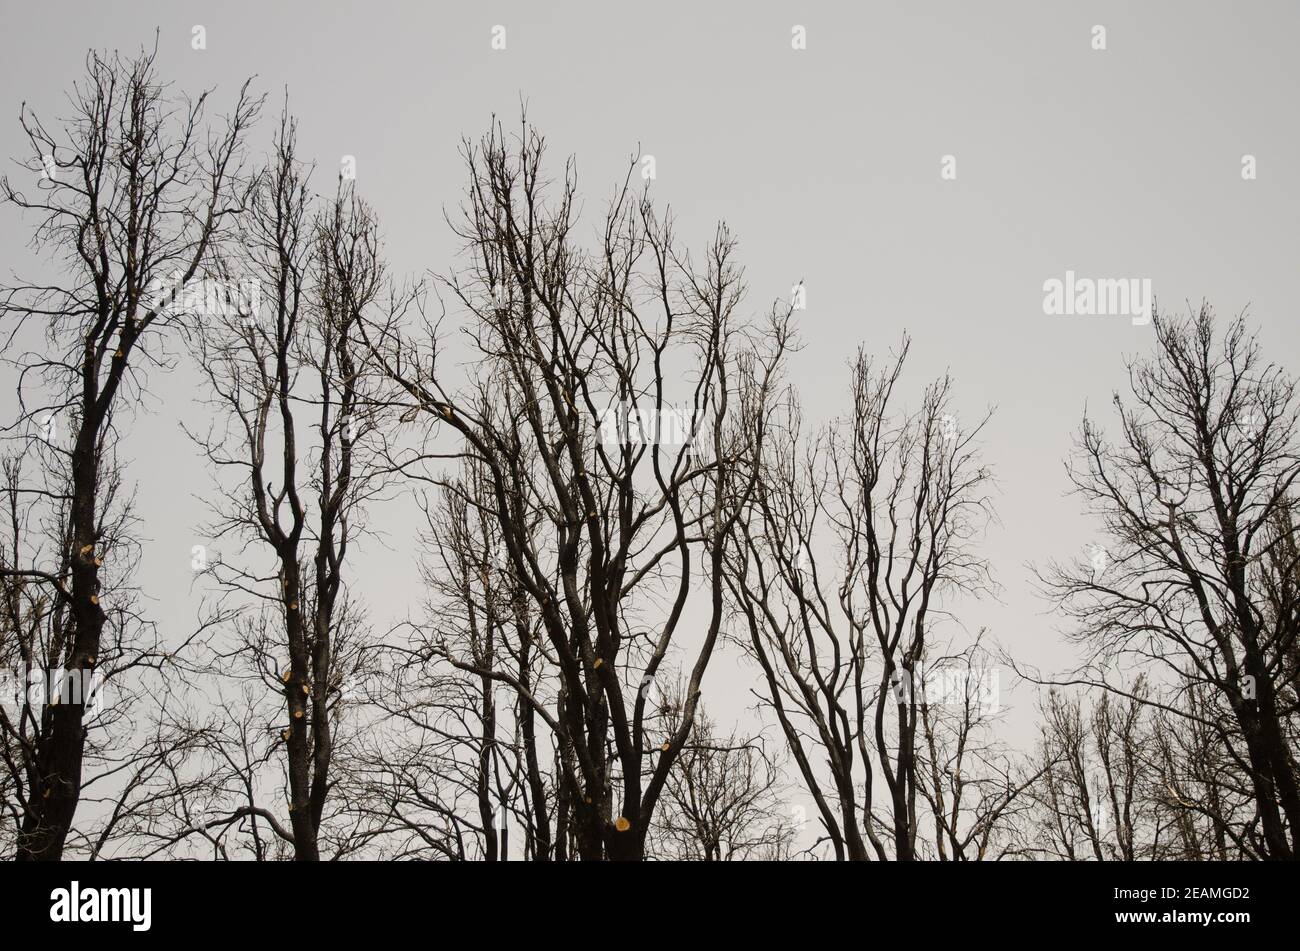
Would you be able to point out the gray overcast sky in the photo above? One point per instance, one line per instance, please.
(825, 162)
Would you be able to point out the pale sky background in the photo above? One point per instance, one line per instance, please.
(825, 162)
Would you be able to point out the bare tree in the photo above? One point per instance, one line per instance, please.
(722, 801)
(1097, 793)
(1194, 582)
(617, 400)
(131, 198)
(977, 788)
(462, 760)
(36, 628)
(300, 432)
(1203, 797)
(843, 555)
